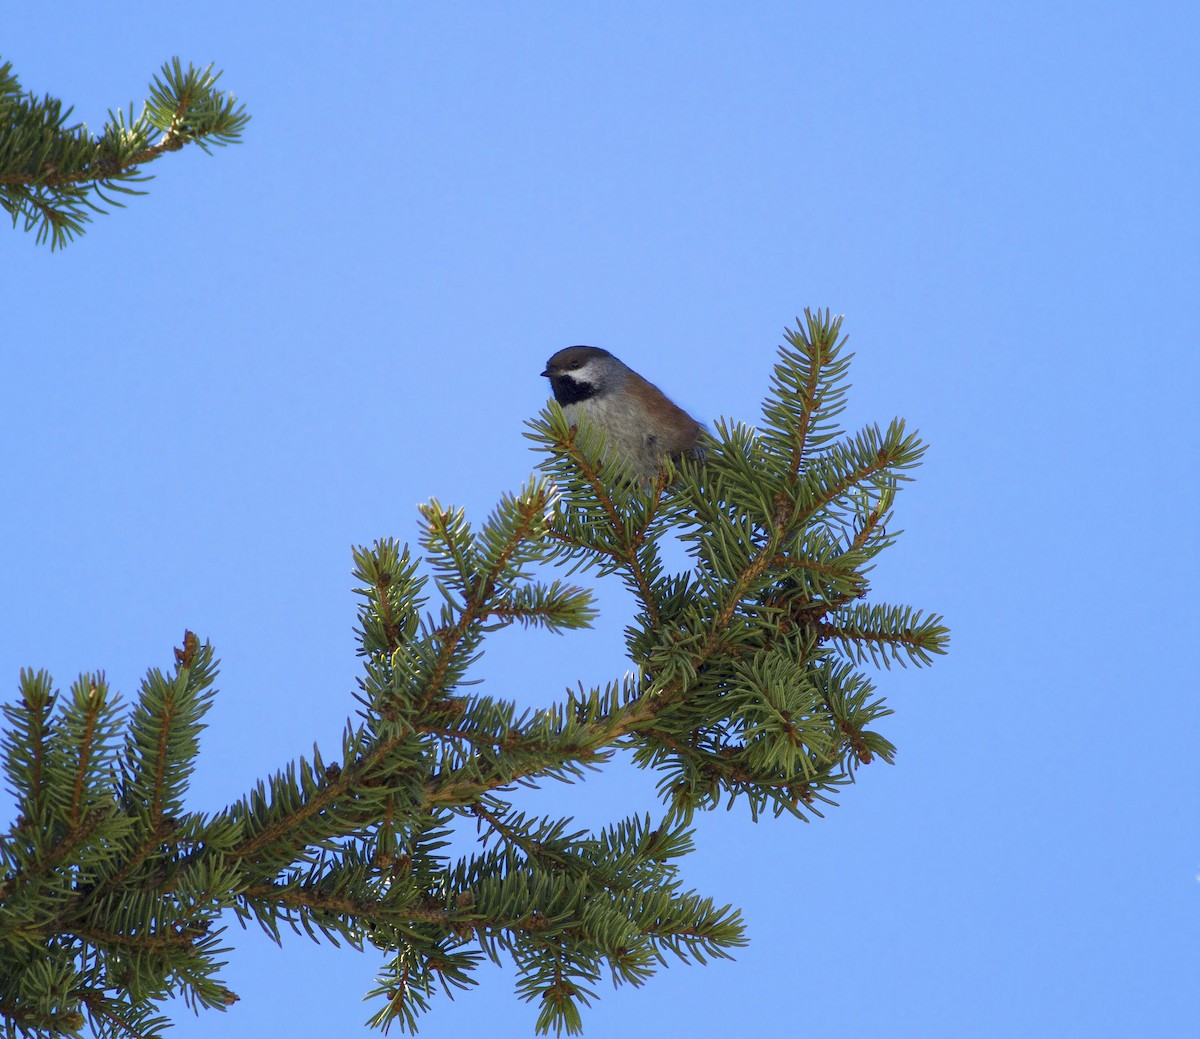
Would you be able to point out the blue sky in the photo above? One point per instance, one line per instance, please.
(285, 347)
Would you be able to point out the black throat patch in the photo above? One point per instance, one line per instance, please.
(568, 391)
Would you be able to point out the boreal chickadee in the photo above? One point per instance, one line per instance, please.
(640, 425)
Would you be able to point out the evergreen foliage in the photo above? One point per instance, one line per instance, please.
(747, 688)
(54, 176)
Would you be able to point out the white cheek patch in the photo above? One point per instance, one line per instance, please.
(587, 373)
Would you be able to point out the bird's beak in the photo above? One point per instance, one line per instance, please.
(546, 373)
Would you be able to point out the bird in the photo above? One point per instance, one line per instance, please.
(641, 426)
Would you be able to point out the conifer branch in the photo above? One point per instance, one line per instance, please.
(747, 688)
(53, 176)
